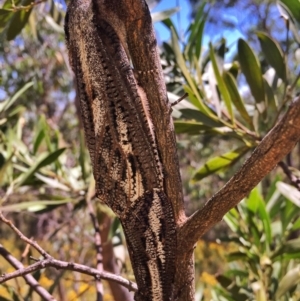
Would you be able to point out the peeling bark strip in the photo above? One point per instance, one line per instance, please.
(122, 142)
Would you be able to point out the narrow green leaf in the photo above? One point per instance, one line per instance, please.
(34, 205)
(288, 214)
(199, 38)
(289, 247)
(5, 15)
(44, 125)
(265, 218)
(252, 202)
(165, 14)
(231, 219)
(272, 200)
(296, 225)
(291, 16)
(45, 159)
(55, 144)
(294, 8)
(234, 69)
(4, 167)
(182, 65)
(291, 279)
(251, 68)
(8, 4)
(192, 97)
(237, 256)
(196, 29)
(253, 228)
(39, 138)
(199, 116)
(273, 54)
(18, 110)
(271, 100)
(170, 25)
(239, 273)
(236, 97)
(54, 183)
(50, 158)
(215, 164)
(233, 239)
(33, 24)
(189, 127)
(56, 27)
(221, 84)
(18, 21)
(9, 102)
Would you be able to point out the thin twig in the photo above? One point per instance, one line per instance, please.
(28, 278)
(295, 181)
(250, 133)
(25, 253)
(23, 237)
(49, 261)
(179, 99)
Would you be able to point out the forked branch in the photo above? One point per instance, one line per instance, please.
(275, 145)
(49, 261)
(30, 280)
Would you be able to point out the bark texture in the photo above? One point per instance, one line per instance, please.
(134, 161)
(130, 136)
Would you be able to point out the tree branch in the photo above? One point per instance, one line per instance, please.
(28, 278)
(23, 237)
(49, 261)
(63, 265)
(275, 145)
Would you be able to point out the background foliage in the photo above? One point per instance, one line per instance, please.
(236, 93)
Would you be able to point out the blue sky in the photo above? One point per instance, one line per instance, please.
(182, 20)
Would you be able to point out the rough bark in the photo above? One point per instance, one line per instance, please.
(103, 36)
(134, 174)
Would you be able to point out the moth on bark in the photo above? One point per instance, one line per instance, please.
(122, 143)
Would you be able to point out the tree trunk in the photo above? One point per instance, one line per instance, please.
(130, 135)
